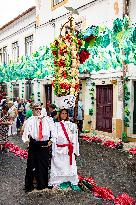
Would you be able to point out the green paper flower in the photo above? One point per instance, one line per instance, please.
(117, 25)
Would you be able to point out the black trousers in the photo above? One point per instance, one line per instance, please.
(80, 125)
(37, 165)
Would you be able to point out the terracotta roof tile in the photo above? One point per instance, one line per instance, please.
(19, 16)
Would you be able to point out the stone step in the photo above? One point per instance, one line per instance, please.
(132, 138)
(102, 133)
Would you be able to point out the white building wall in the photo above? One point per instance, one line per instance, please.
(99, 12)
(17, 31)
(132, 10)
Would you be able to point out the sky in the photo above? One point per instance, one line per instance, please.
(9, 9)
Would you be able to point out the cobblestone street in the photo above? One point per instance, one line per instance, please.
(109, 168)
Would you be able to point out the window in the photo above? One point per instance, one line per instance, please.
(58, 3)
(0, 55)
(15, 52)
(28, 90)
(29, 45)
(55, 2)
(5, 55)
(4, 87)
(15, 90)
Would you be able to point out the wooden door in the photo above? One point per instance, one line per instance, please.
(104, 107)
(134, 113)
(15, 91)
(28, 87)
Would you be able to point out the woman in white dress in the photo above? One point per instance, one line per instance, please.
(13, 114)
(64, 153)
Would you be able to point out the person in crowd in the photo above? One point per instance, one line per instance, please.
(5, 122)
(27, 105)
(43, 112)
(53, 112)
(39, 133)
(21, 115)
(64, 152)
(13, 114)
(29, 114)
(71, 114)
(5, 101)
(17, 102)
(80, 114)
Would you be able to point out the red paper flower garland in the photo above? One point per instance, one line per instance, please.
(132, 150)
(124, 199)
(105, 193)
(83, 56)
(108, 143)
(16, 150)
(101, 192)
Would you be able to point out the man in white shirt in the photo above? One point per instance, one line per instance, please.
(39, 131)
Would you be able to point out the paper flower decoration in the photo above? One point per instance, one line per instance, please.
(66, 63)
(83, 55)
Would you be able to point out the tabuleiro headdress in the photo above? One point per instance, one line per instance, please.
(66, 60)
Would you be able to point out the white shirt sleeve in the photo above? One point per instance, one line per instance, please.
(26, 133)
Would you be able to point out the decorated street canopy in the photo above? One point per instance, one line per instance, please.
(105, 48)
(38, 65)
(98, 48)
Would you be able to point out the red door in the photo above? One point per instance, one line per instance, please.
(104, 107)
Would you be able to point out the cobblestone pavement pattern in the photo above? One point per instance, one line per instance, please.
(110, 168)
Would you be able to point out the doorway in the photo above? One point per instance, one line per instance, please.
(48, 95)
(104, 107)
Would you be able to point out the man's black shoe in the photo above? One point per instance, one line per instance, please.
(28, 190)
(50, 187)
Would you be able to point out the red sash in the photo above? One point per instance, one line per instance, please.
(70, 145)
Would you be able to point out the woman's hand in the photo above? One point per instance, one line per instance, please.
(6, 123)
(27, 143)
(9, 122)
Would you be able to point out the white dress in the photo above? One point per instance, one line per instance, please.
(61, 170)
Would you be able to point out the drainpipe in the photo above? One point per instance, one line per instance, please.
(125, 12)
